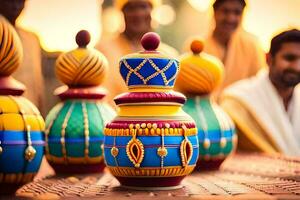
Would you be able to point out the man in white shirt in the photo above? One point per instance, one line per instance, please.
(266, 108)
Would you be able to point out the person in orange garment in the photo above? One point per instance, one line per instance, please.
(239, 50)
(30, 71)
(137, 17)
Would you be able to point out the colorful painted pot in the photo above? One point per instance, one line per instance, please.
(22, 140)
(200, 74)
(216, 131)
(21, 125)
(152, 143)
(74, 127)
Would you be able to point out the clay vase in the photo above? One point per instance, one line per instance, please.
(74, 127)
(21, 125)
(152, 143)
(199, 76)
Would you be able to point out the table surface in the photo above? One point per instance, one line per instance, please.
(242, 176)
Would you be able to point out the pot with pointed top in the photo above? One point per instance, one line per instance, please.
(199, 76)
(152, 143)
(21, 125)
(74, 127)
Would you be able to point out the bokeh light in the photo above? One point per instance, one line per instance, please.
(201, 5)
(269, 17)
(56, 22)
(112, 21)
(164, 14)
(262, 18)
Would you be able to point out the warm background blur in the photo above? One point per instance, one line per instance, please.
(56, 22)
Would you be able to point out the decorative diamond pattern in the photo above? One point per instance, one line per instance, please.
(149, 71)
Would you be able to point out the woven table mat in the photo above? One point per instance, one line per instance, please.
(264, 165)
(243, 176)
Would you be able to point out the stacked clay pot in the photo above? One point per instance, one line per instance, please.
(200, 74)
(152, 143)
(21, 125)
(74, 127)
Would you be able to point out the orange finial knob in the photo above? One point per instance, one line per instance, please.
(150, 41)
(197, 46)
(83, 38)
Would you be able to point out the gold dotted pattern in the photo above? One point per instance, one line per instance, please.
(150, 132)
(225, 123)
(25, 111)
(30, 151)
(114, 151)
(48, 128)
(158, 71)
(63, 132)
(135, 151)
(86, 130)
(204, 124)
(186, 152)
(186, 149)
(24, 117)
(135, 71)
(162, 151)
(11, 53)
(68, 159)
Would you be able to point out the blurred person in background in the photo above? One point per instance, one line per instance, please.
(266, 107)
(30, 72)
(239, 50)
(137, 18)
